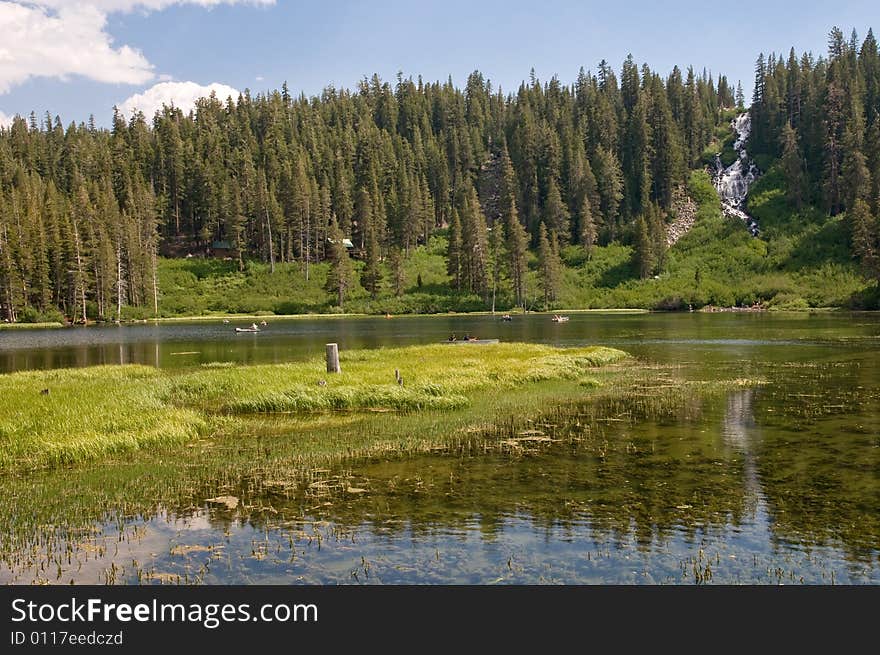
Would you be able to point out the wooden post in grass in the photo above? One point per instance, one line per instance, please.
(333, 358)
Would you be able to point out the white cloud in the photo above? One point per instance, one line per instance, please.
(71, 42)
(179, 94)
(62, 38)
(5, 121)
(111, 6)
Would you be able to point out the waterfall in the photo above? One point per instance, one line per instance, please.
(731, 182)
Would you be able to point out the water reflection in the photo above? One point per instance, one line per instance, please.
(610, 493)
(739, 431)
(694, 338)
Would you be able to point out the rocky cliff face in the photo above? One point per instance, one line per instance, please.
(685, 212)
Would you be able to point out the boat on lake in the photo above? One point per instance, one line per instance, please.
(252, 328)
(559, 319)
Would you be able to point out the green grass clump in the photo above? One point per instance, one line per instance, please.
(87, 413)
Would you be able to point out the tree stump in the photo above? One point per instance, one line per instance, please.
(333, 358)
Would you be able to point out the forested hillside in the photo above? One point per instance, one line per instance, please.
(817, 123)
(420, 196)
(84, 212)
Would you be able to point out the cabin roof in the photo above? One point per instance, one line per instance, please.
(345, 242)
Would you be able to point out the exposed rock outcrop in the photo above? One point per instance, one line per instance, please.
(685, 212)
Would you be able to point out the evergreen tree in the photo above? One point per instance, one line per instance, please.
(856, 179)
(371, 277)
(588, 228)
(637, 159)
(865, 237)
(474, 244)
(549, 265)
(398, 274)
(454, 254)
(792, 166)
(643, 252)
(610, 182)
(556, 214)
(339, 278)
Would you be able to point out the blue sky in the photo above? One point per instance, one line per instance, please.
(81, 57)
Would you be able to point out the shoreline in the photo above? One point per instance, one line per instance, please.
(209, 317)
(707, 309)
(31, 326)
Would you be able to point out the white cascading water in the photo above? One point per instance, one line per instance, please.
(732, 184)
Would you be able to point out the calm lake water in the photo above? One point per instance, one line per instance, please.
(777, 482)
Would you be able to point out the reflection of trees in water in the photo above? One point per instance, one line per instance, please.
(631, 476)
(819, 457)
(739, 433)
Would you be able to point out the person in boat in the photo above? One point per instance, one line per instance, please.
(467, 336)
(254, 326)
(452, 337)
(263, 323)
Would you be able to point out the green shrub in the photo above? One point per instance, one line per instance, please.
(33, 315)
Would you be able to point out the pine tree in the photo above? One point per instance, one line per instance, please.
(856, 179)
(549, 265)
(872, 153)
(636, 159)
(556, 214)
(865, 236)
(610, 181)
(517, 240)
(454, 251)
(588, 228)
(834, 127)
(496, 260)
(398, 273)
(643, 252)
(339, 278)
(474, 244)
(371, 277)
(792, 166)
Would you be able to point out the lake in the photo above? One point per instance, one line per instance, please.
(775, 482)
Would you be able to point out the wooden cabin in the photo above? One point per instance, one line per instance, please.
(223, 250)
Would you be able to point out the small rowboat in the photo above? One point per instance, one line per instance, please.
(559, 319)
(247, 329)
(463, 342)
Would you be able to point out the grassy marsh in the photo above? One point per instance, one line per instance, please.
(70, 415)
